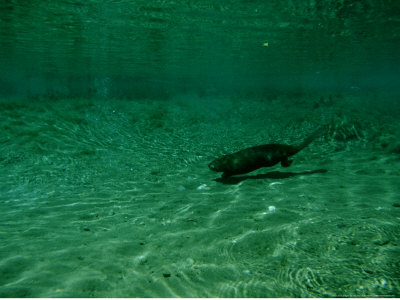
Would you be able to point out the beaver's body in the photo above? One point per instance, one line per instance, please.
(256, 157)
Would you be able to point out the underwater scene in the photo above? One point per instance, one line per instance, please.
(201, 148)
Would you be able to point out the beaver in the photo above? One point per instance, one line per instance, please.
(253, 158)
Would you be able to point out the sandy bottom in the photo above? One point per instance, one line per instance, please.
(114, 199)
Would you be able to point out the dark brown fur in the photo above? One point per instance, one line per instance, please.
(256, 157)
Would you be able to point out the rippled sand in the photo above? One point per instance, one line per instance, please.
(114, 199)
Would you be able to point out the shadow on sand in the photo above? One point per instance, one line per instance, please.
(269, 175)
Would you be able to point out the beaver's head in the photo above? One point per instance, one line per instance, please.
(218, 165)
(213, 166)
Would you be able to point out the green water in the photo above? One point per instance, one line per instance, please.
(111, 111)
(158, 48)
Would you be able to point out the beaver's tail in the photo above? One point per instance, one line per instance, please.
(317, 133)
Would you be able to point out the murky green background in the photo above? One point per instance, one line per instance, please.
(110, 112)
(158, 48)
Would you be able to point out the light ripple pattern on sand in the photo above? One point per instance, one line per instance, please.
(102, 199)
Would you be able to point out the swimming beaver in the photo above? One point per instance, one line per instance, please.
(256, 157)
